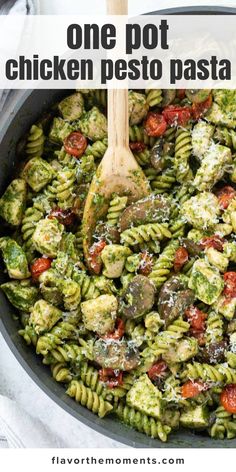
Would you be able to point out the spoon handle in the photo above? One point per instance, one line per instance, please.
(117, 7)
(118, 119)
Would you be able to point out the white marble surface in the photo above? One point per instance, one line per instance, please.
(14, 382)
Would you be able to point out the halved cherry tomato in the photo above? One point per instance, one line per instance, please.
(176, 115)
(65, 217)
(137, 146)
(181, 257)
(155, 124)
(116, 381)
(192, 388)
(225, 195)
(112, 378)
(199, 109)
(157, 370)
(106, 372)
(39, 266)
(95, 256)
(196, 318)
(214, 241)
(230, 284)
(228, 398)
(75, 144)
(146, 264)
(181, 93)
(119, 330)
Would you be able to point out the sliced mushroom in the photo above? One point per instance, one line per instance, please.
(214, 353)
(197, 95)
(114, 354)
(193, 248)
(155, 208)
(156, 157)
(168, 96)
(107, 232)
(139, 297)
(174, 299)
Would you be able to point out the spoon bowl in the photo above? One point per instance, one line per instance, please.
(118, 172)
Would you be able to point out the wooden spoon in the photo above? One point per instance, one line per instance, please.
(118, 171)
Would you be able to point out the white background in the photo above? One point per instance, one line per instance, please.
(195, 460)
(14, 381)
(189, 36)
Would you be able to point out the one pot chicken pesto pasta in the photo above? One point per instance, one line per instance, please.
(147, 333)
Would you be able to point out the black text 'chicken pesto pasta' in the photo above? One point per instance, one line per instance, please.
(150, 335)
